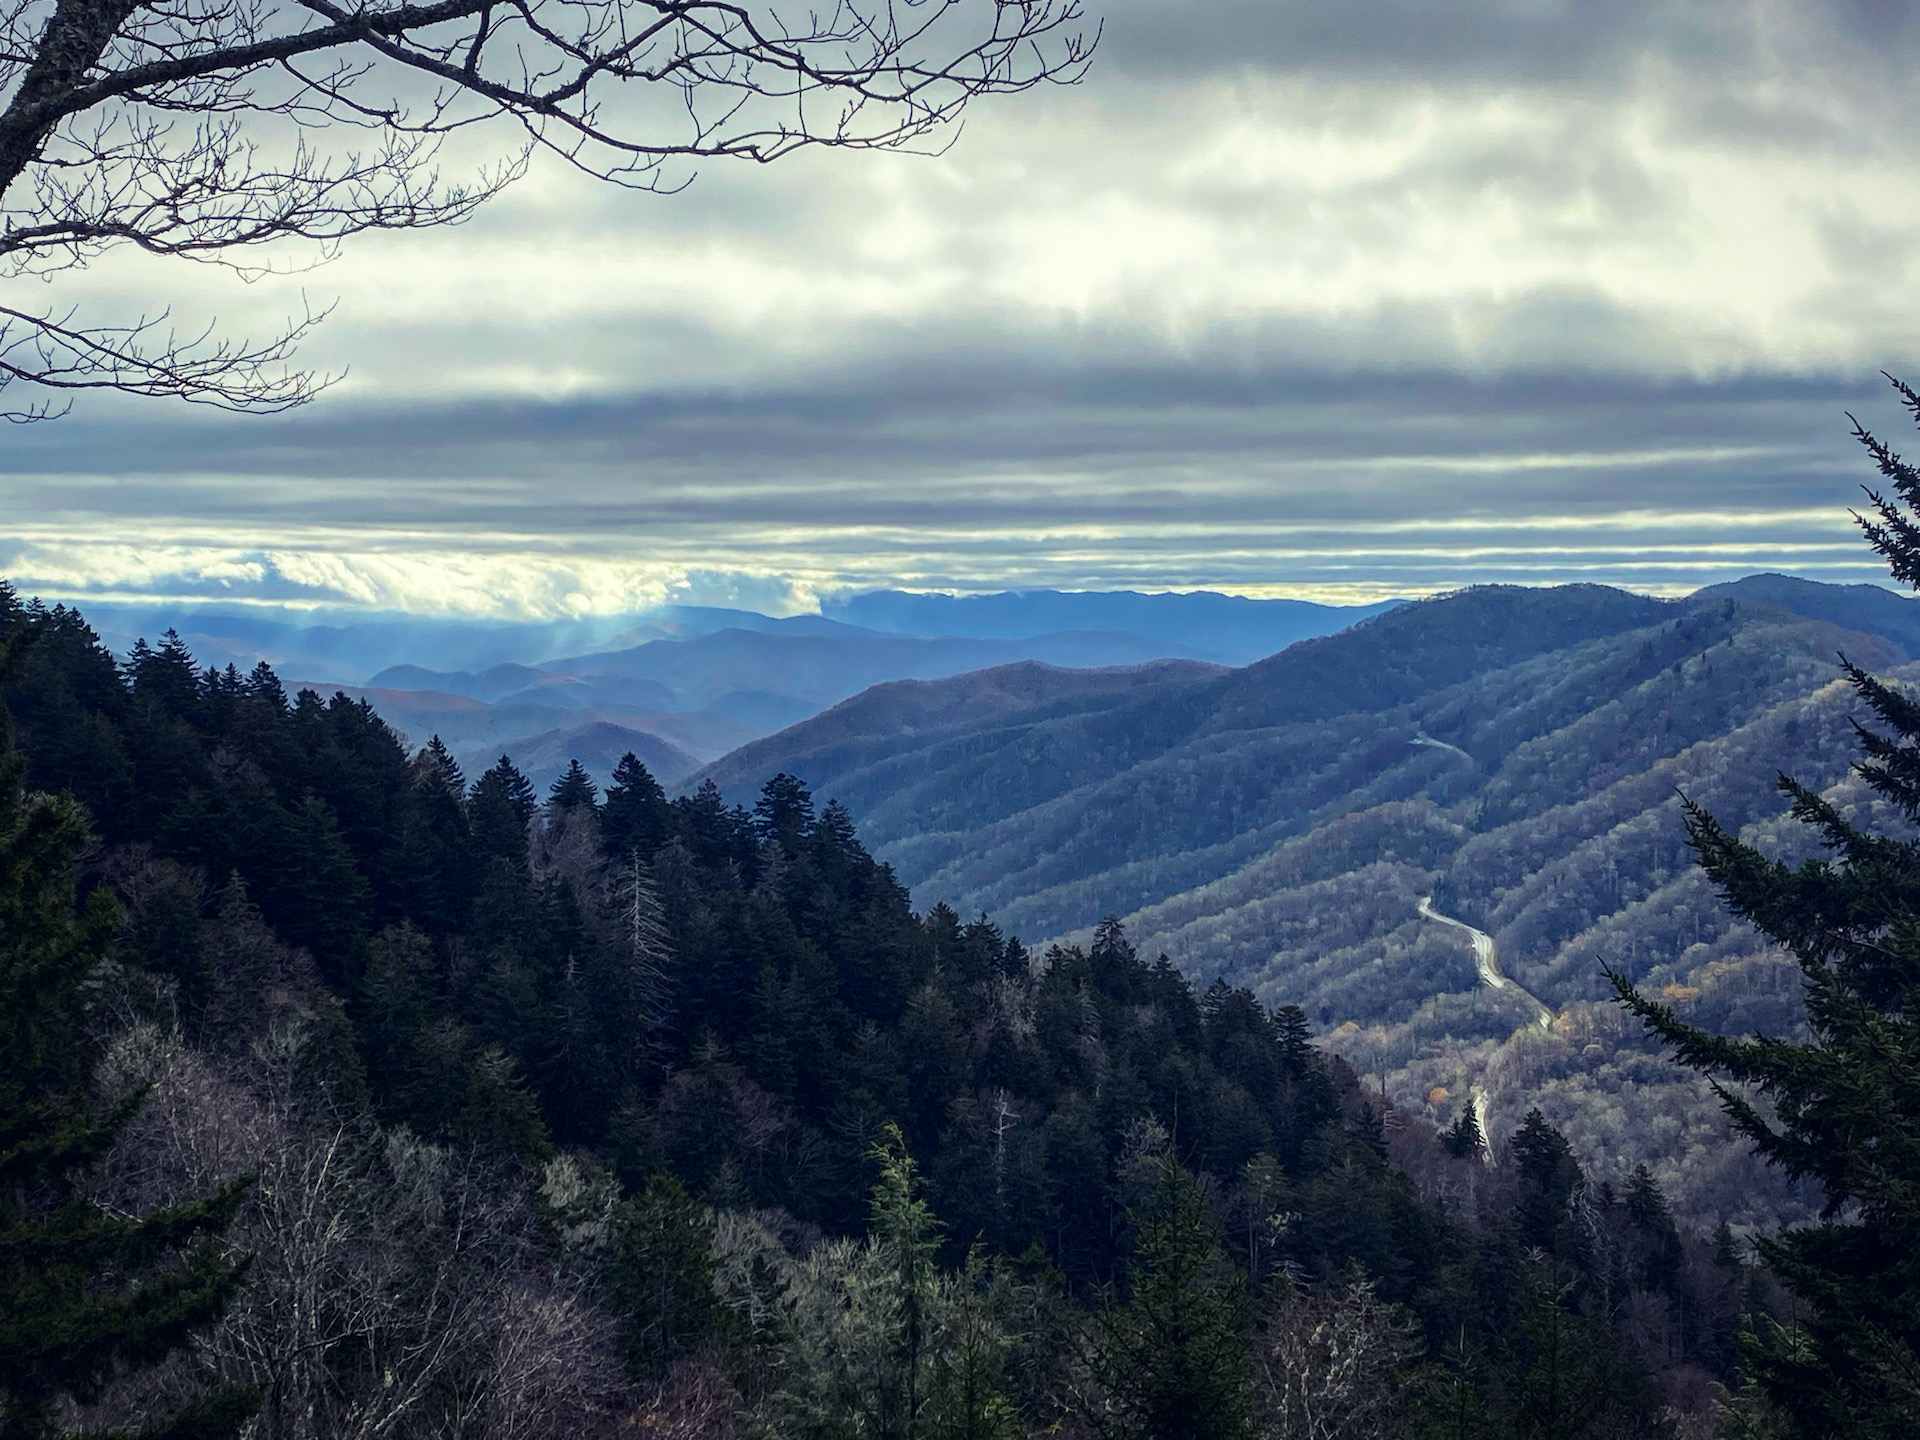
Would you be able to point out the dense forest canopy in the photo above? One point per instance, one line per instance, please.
(742, 1138)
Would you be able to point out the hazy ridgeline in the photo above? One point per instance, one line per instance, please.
(614, 1079)
(1518, 754)
(681, 685)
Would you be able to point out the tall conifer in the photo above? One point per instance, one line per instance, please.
(1175, 1359)
(1845, 1105)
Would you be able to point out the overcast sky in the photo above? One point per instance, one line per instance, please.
(1329, 298)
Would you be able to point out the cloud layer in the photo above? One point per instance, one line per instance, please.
(1328, 299)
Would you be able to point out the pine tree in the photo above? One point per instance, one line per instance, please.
(1175, 1360)
(500, 810)
(1843, 1103)
(1658, 1240)
(636, 816)
(1550, 1184)
(83, 1294)
(784, 812)
(574, 790)
(662, 1277)
(906, 1231)
(1463, 1139)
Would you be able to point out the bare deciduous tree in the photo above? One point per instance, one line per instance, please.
(205, 129)
(1325, 1367)
(396, 1288)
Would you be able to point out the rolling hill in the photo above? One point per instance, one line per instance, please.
(1516, 754)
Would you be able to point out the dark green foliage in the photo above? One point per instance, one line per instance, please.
(82, 1292)
(738, 1010)
(498, 1114)
(663, 1273)
(1569, 1377)
(1659, 1254)
(784, 812)
(1843, 1102)
(1549, 1182)
(636, 818)
(1173, 1362)
(500, 811)
(574, 790)
(1463, 1139)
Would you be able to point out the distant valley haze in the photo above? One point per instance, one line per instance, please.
(1276, 792)
(683, 685)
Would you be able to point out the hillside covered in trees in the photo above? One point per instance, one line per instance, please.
(1518, 755)
(573, 1113)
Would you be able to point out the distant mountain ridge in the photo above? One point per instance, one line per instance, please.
(1199, 624)
(1514, 753)
(704, 679)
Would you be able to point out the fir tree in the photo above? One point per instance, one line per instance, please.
(907, 1233)
(499, 811)
(636, 816)
(662, 1279)
(784, 812)
(263, 685)
(1550, 1182)
(1175, 1360)
(1661, 1254)
(574, 790)
(1463, 1139)
(1843, 1103)
(83, 1294)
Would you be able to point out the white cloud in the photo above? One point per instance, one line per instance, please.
(1058, 353)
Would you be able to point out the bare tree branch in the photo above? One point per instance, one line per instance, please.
(206, 129)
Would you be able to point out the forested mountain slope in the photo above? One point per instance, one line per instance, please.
(1517, 754)
(613, 1115)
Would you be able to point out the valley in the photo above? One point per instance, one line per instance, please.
(1431, 830)
(1516, 758)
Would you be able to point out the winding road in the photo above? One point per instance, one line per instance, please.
(1420, 737)
(1488, 959)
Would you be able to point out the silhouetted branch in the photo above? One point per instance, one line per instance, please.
(203, 128)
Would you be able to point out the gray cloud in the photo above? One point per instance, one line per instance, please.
(1381, 295)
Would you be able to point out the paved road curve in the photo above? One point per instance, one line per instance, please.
(1488, 959)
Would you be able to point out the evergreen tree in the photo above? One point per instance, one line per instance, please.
(907, 1233)
(1661, 1254)
(662, 1279)
(784, 812)
(636, 816)
(574, 790)
(83, 1294)
(1843, 1103)
(1175, 1360)
(1370, 1130)
(1463, 1139)
(1550, 1181)
(500, 810)
(970, 1368)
